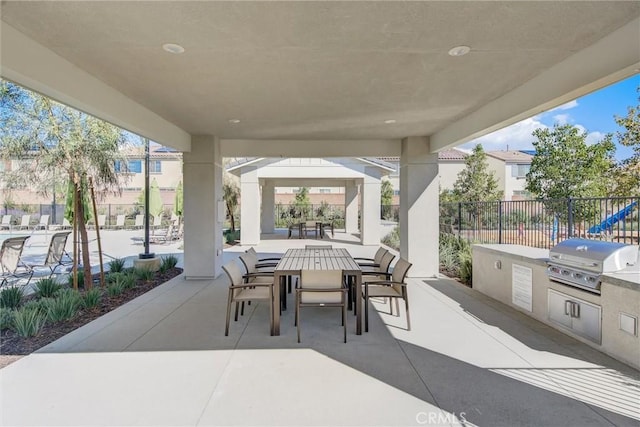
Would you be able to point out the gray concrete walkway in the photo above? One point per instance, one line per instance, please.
(163, 359)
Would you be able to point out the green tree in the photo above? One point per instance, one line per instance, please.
(627, 172)
(566, 166)
(48, 139)
(302, 203)
(476, 183)
(231, 196)
(386, 198)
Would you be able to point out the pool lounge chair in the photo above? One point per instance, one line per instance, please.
(11, 265)
(57, 256)
(43, 224)
(6, 222)
(24, 223)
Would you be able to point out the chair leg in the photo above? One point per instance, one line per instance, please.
(235, 318)
(226, 328)
(397, 306)
(298, 314)
(344, 316)
(242, 309)
(366, 308)
(406, 304)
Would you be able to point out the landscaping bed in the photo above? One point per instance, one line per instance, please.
(121, 288)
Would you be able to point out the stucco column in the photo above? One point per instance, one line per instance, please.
(202, 174)
(268, 207)
(351, 206)
(249, 206)
(419, 207)
(370, 213)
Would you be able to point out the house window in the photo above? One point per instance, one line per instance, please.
(155, 166)
(133, 166)
(324, 190)
(520, 171)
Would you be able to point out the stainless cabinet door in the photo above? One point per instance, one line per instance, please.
(559, 308)
(587, 321)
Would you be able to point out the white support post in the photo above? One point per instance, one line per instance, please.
(249, 206)
(419, 208)
(370, 212)
(351, 206)
(202, 174)
(268, 207)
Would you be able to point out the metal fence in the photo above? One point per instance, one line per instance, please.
(544, 223)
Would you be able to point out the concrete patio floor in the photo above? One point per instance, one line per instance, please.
(163, 359)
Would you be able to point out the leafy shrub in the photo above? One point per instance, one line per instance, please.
(168, 262)
(466, 265)
(114, 277)
(11, 297)
(37, 304)
(231, 236)
(6, 318)
(393, 238)
(28, 322)
(456, 257)
(65, 306)
(129, 281)
(115, 289)
(47, 288)
(116, 265)
(80, 279)
(91, 298)
(144, 274)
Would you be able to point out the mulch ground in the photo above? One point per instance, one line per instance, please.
(13, 346)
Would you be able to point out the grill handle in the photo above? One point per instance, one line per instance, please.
(575, 310)
(583, 264)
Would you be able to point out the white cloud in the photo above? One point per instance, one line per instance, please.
(594, 137)
(569, 105)
(561, 119)
(516, 137)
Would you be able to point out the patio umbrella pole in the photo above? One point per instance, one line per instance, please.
(146, 254)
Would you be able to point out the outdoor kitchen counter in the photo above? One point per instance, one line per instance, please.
(517, 276)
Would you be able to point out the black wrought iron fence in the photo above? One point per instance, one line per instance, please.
(286, 215)
(544, 223)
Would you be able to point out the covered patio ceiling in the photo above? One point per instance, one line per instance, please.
(318, 70)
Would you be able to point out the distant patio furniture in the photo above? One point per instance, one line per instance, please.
(394, 287)
(24, 223)
(240, 291)
(318, 246)
(43, 224)
(11, 265)
(65, 225)
(160, 236)
(157, 221)
(6, 222)
(139, 223)
(322, 288)
(57, 256)
(119, 222)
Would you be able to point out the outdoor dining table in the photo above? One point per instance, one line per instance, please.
(295, 260)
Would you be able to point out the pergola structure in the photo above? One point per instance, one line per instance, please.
(316, 79)
(259, 177)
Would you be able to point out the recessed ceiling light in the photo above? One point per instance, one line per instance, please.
(390, 121)
(173, 48)
(234, 121)
(459, 50)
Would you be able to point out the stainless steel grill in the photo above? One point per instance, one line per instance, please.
(581, 263)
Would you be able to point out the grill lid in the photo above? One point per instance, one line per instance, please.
(593, 255)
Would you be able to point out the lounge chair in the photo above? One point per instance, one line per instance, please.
(139, 222)
(157, 221)
(119, 222)
(11, 265)
(66, 225)
(6, 222)
(102, 221)
(162, 236)
(43, 224)
(57, 256)
(24, 223)
(393, 287)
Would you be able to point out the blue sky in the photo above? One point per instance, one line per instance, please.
(592, 113)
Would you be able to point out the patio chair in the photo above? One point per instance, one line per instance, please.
(239, 291)
(6, 222)
(24, 223)
(321, 288)
(102, 221)
(11, 265)
(253, 252)
(162, 236)
(318, 246)
(380, 272)
(393, 287)
(57, 256)
(157, 221)
(119, 222)
(374, 262)
(43, 224)
(139, 223)
(65, 225)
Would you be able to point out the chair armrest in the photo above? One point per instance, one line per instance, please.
(368, 264)
(257, 274)
(250, 285)
(322, 290)
(364, 259)
(376, 273)
(266, 264)
(384, 282)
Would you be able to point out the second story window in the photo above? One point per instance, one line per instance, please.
(133, 166)
(155, 166)
(520, 171)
